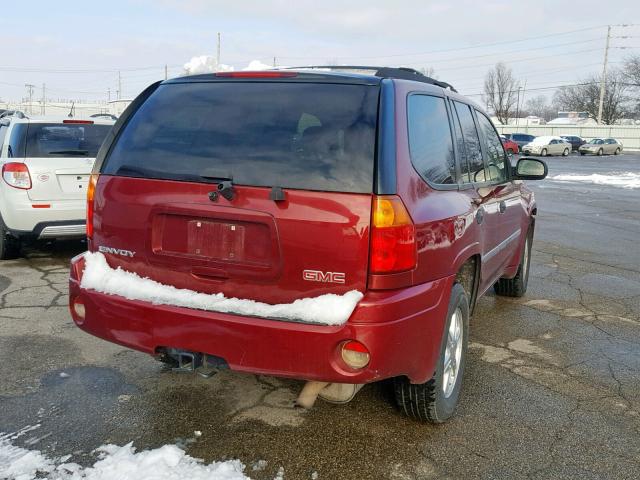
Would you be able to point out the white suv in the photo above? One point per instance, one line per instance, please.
(45, 164)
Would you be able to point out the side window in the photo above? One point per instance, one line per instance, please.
(497, 161)
(3, 132)
(430, 142)
(460, 147)
(472, 144)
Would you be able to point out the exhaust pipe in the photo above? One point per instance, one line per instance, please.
(338, 393)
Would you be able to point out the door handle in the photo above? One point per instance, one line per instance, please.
(502, 206)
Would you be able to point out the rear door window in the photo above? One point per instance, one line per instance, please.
(64, 140)
(472, 144)
(311, 136)
(430, 142)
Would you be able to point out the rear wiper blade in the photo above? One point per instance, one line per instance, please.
(69, 152)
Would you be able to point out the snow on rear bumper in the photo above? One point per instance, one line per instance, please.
(402, 330)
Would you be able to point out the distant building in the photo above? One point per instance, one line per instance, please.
(572, 118)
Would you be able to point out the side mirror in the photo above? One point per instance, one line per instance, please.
(529, 168)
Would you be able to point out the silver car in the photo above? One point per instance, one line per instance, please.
(547, 145)
(599, 146)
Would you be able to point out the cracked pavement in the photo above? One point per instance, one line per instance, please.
(552, 387)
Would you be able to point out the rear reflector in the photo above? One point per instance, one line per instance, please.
(42, 205)
(91, 189)
(85, 122)
(355, 354)
(260, 74)
(393, 237)
(16, 175)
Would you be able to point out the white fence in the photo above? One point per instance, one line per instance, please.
(629, 136)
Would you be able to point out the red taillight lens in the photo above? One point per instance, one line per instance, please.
(393, 237)
(16, 175)
(82, 122)
(259, 74)
(91, 190)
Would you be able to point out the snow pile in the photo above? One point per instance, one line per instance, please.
(329, 309)
(622, 179)
(207, 64)
(116, 463)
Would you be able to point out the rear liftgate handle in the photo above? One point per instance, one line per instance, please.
(502, 206)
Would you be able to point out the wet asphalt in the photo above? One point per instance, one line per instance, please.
(552, 388)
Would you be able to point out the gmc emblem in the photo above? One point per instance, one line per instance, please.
(325, 277)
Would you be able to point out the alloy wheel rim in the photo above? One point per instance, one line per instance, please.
(452, 354)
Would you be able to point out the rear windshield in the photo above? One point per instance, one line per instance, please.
(64, 140)
(293, 135)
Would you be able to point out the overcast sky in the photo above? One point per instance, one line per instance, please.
(77, 47)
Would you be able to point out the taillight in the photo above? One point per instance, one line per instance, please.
(91, 189)
(16, 175)
(393, 237)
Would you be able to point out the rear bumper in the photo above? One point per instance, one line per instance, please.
(402, 330)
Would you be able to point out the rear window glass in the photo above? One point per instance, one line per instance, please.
(293, 135)
(64, 140)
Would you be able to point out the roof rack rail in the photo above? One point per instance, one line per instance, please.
(403, 73)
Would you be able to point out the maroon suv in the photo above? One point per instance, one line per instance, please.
(323, 225)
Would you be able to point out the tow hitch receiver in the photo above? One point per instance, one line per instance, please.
(183, 361)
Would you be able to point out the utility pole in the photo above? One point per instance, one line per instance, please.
(108, 95)
(274, 62)
(44, 98)
(524, 89)
(603, 79)
(165, 72)
(517, 108)
(30, 88)
(119, 85)
(218, 52)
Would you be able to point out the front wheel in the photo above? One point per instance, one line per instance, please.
(617, 152)
(543, 153)
(435, 400)
(517, 286)
(600, 152)
(566, 152)
(582, 153)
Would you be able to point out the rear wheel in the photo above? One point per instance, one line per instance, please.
(9, 246)
(517, 286)
(566, 152)
(543, 153)
(436, 400)
(582, 153)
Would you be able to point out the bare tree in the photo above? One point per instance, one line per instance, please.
(631, 70)
(501, 91)
(631, 74)
(428, 71)
(540, 107)
(584, 97)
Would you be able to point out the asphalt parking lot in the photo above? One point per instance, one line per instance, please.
(552, 388)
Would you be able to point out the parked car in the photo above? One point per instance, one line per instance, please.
(327, 240)
(520, 138)
(575, 141)
(599, 146)
(547, 145)
(509, 145)
(45, 163)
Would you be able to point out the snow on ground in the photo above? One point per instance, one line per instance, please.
(616, 179)
(326, 309)
(114, 463)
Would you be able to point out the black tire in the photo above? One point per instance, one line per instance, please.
(517, 286)
(566, 152)
(617, 152)
(510, 150)
(600, 152)
(543, 153)
(427, 401)
(9, 246)
(582, 153)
